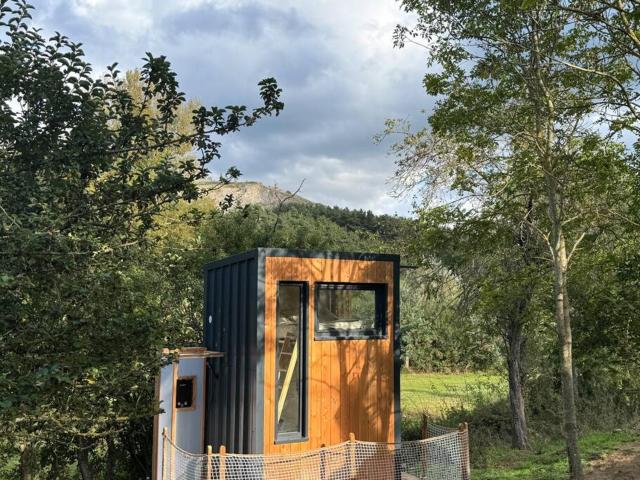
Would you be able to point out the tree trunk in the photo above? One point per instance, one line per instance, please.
(568, 393)
(520, 433)
(545, 118)
(26, 462)
(83, 461)
(563, 324)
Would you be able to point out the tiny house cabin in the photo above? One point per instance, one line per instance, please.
(310, 346)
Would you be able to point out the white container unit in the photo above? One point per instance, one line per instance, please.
(180, 391)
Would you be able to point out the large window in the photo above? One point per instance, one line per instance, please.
(291, 362)
(350, 310)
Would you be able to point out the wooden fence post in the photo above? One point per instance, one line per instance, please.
(223, 462)
(424, 427)
(463, 434)
(164, 453)
(352, 455)
(209, 470)
(424, 434)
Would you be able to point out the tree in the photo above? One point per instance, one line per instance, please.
(85, 167)
(515, 110)
(439, 332)
(614, 27)
(606, 299)
(491, 249)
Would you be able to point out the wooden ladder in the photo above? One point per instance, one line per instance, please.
(289, 350)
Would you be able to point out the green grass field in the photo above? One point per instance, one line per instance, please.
(547, 460)
(438, 393)
(435, 393)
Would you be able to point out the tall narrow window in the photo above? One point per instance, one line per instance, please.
(290, 361)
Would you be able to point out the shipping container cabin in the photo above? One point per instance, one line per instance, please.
(311, 350)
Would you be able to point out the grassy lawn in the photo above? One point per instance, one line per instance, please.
(546, 461)
(436, 392)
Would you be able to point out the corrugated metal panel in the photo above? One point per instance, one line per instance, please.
(252, 419)
(230, 327)
(232, 359)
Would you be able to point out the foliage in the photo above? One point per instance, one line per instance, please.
(513, 144)
(613, 27)
(215, 234)
(605, 293)
(86, 165)
(386, 227)
(437, 333)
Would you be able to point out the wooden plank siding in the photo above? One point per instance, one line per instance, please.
(350, 382)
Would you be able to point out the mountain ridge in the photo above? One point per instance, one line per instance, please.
(251, 192)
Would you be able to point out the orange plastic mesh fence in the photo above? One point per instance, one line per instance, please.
(443, 456)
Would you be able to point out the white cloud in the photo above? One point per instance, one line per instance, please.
(130, 18)
(335, 61)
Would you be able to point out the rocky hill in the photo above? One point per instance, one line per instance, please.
(245, 193)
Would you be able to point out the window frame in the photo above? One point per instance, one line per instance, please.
(302, 434)
(379, 332)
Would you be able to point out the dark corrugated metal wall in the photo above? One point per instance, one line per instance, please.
(231, 300)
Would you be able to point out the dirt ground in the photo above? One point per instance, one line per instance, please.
(623, 464)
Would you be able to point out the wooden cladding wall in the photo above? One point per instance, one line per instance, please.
(350, 382)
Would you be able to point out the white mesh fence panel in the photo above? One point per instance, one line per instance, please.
(435, 430)
(442, 457)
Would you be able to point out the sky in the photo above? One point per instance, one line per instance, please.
(334, 60)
